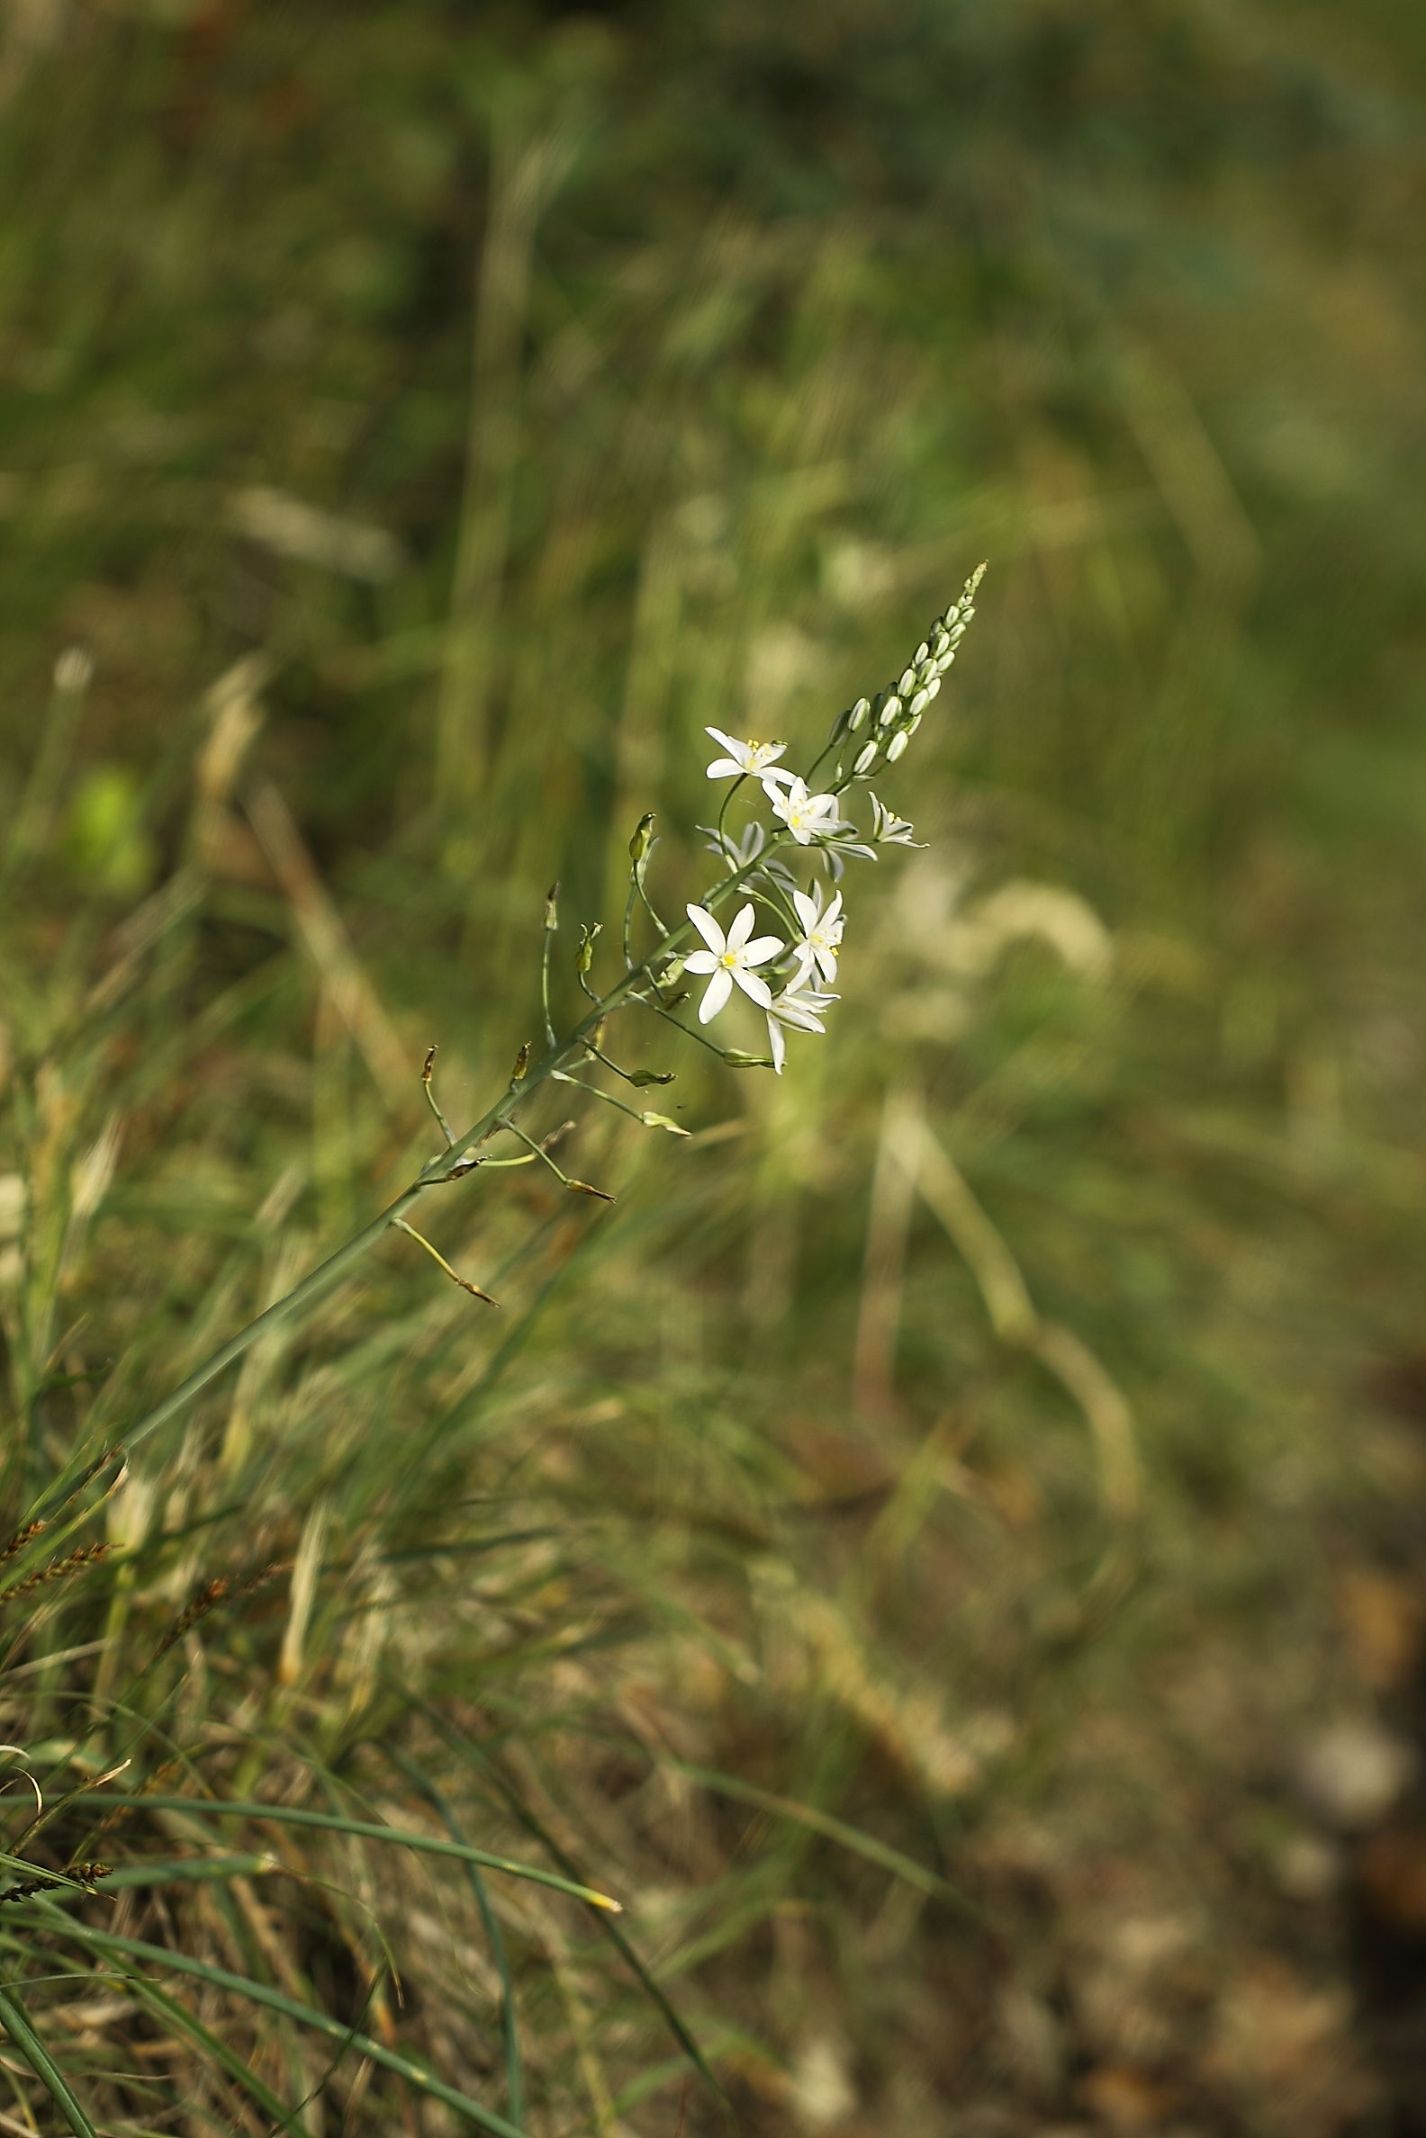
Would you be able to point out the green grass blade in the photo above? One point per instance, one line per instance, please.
(306, 2015)
(15, 2021)
(509, 2016)
(851, 1838)
(364, 1829)
(623, 1945)
(214, 2048)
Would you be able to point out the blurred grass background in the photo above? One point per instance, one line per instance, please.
(999, 1441)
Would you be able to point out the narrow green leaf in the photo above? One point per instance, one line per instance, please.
(214, 2047)
(364, 1829)
(15, 2021)
(305, 2015)
(822, 1822)
(509, 2017)
(626, 1949)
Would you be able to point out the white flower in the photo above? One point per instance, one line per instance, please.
(821, 936)
(745, 849)
(888, 829)
(807, 816)
(748, 760)
(800, 1008)
(838, 845)
(729, 958)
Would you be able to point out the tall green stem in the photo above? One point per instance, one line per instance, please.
(320, 1280)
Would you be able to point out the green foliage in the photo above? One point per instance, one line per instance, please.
(922, 1502)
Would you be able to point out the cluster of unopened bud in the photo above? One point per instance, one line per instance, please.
(892, 717)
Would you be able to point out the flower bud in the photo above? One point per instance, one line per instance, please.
(858, 714)
(642, 839)
(919, 704)
(866, 758)
(891, 710)
(908, 681)
(896, 745)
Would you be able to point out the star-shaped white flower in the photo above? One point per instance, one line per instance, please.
(730, 957)
(748, 760)
(821, 935)
(798, 1009)
(807, 816)
(887, 829)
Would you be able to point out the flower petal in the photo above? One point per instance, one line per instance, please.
(701, 961)
(707, 927)
(806, 908)
(719, 988)
(752, 984)
(742, 926)
(730, 743)
(725, 768)
(777, 1041)
(761, 948)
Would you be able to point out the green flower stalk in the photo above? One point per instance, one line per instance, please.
(787, 976)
